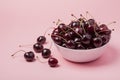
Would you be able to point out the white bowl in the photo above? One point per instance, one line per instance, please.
(81, 55)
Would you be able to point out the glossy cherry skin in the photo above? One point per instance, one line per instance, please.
(41, 39)
(105, 38)
(74, 24)
(70, 44)
(103, 27)
(29, 56)
(53, 62)
(97, 41)
(57, 39)
(91, 21)
(46, 53)
(86, 38)
(62, 27)
(38, 47)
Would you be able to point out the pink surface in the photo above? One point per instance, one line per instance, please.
(22, 21)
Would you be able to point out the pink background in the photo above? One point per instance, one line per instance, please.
(22, 21)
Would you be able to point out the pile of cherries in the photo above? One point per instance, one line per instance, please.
(81, 34)
(39, 48)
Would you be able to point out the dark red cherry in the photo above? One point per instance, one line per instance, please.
(105, 32)
(77, 40)
(79, 30)
(57, 40)
(79, 46)
(86, 38)
(41, 39)
(74, 24)
(92, 29)
(56, 31)
(103, 27)
(38, 47)
(91, 21)
(46, 53)
(67, 35)
(97, 42)
(70, 44)
(29, 56)
(62, 26)
(53, 62)
(64, 45)
(105, 39)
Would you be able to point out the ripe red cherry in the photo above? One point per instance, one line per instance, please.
(103, 27)
(46, 53)
(38, 47)
(29, 56)
(53, 62)
(41, 39)
(97, 41)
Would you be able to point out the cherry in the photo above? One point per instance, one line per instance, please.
(77, 40)
(38, 47)
(56, 30)
(53, 62)
(57, 39)
(91, 21)
(70, 44)
(62, 26)
(79, 46)
(105, 38)
(41, 39)
(72, 34)
(67, 35)
(97, 41)
(91, 29)
(79, 30)
(74, 24)
(64, 45)
(29, 56)
(46, 53)
(103, 27)
(86, 38)
(106, 32)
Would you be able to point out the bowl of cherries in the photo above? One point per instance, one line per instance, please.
(82, 40)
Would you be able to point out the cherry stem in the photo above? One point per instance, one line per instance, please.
(41, 60)
(17, 52)
(83, 17)
(61, 38)
(81, 24)
(25, 45)
(74, 31)
(111, 23)
(86, 15)
(56, 23)
(95, 30)
(48, 30)
(74, 16)
(89, 14)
